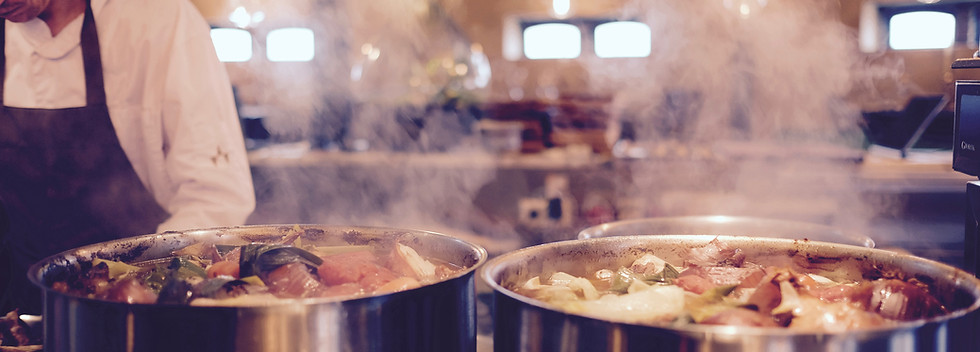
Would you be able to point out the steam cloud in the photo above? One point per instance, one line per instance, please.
(764, 123)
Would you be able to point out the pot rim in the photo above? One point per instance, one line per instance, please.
(682, 225)
(489, 273)
(88, 252)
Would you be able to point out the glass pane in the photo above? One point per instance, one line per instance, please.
(232, 45)
(622, 39)
(921, 30)
(289, 44)
(552, 41)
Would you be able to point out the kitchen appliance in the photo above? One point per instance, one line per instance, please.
(966, 157)
(525, 324)
(440, 316)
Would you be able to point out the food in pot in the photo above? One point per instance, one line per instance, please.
(717, 284)
(209, 274)
(15, 332)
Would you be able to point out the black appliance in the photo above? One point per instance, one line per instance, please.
(966, 156)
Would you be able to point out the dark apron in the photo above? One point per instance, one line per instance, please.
(64, 180)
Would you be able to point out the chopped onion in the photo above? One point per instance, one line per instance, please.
(790, 298)
(423, 269)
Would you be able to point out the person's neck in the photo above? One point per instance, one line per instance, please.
(60, 13)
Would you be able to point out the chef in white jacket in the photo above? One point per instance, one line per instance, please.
(117, 119)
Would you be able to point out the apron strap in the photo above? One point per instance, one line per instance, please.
(3, 58)
(91, 56)
(94, 87)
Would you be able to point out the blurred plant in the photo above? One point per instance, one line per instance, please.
(416, 62)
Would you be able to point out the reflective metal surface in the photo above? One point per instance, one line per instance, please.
(727, 225)
(436, 317)
(524, 324)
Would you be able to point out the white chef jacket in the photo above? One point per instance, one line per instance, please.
(169, 99)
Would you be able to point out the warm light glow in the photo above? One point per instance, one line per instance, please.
(745, 8)
(552, 41)
(561, 8)
(461, 69)
(290, 44)
(240, 17)
(921, 30)
(370, 51)
(258, 17)
(232, 45)
(622, 39)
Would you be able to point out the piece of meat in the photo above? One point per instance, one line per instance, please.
(838, 293)
(700, 279)
(359, 267)
(714, 253)
(694, 283)
(224, 268)
(753, 278)
(130, 290)
(292, 280)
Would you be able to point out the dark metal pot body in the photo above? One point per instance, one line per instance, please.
(436, 317)
(727, 225)
(524, 324)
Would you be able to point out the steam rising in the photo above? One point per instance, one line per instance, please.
(736, 114)
(770, 115)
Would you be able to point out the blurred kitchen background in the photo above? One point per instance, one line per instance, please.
(516, 122)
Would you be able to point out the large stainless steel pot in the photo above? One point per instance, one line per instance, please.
(727, 225)
(524, 324)
(435, 317)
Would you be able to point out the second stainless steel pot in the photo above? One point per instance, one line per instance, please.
(525, 324)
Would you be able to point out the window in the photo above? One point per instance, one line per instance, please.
(574, 37)
(232, 45)
(552, 41)
(921, 30)
(290, 44)
(622, 39)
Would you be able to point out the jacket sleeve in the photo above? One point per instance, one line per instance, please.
(204, 151)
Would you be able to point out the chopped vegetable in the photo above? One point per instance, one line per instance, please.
(420, 268)
(709, 303)
(257, 274)
(649, 305)
(720, 286)
(263, 258)
(116, 269)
